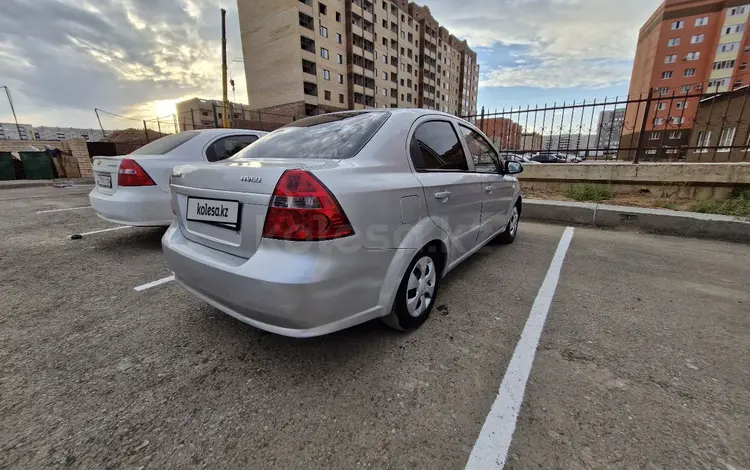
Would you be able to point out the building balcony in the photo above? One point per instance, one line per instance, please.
(308, 77)
(310, 99)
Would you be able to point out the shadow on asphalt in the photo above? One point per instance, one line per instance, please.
(145, 238)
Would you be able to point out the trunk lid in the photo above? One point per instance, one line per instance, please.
(224, 205)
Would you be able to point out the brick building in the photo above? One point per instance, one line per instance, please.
(311, 56)
(687, 48)
(504, 133)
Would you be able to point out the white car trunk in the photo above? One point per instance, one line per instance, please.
(223, 206)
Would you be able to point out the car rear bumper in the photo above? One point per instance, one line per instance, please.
(142, 206)
(287, 291)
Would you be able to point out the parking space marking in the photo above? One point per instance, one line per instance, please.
(154, 283)
(103, 230)
(60, 210)
(491, 447)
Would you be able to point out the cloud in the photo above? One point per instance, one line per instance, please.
(567, 43)
(63, 58)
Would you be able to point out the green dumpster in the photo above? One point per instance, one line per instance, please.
(36, 165)
(7, 171)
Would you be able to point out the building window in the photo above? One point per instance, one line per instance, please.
(340, 58)
(743, 67)
(674, 135)
(327, 95)
(670, 59)
(339, 39)
(704, 140)
(661, 106)
(727, 139)
(689, 72)
(686, 88)
(673, 42)
(324, 52)
(338, 16)
(324, 31)
(728, 47)
(738, 28)
(307, 44)
(658, 122)
(678, 24)
(384, 92)
(677, 120)
(718, 83)
(651, 152)
(385, 58)
(322, 8)
(693, 55)
(724, 64)
(664, 75)
(697, 39)
(309, 67)
(306, 21)
(654, 136)
(341, 78)
(306, 2)
(736, 11)
(703, 21)
(385, 75)
(310, 88)
(341, 98)
(326, 74)
(681, 104)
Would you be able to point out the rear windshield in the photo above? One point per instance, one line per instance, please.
(165, 144)
(330, 136)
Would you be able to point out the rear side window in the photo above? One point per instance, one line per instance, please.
(165, 144)
(329, 136)
(435, 146)
(228, 146)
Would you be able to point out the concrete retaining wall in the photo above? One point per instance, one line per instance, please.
(693, 180)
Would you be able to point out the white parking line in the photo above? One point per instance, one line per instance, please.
(60, 210)
(103, 230)
(491, 449)
(154, 283)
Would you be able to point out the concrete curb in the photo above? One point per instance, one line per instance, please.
(17, 184)
(686, 224)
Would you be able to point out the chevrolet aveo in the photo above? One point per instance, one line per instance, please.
(339, 219)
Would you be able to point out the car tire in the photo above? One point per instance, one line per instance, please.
(511, 230)
(416, 297)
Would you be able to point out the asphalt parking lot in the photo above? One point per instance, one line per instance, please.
(643, 361)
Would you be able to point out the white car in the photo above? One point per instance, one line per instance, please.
(133, 189)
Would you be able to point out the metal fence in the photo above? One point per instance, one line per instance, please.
(126, 134)
(694, 123)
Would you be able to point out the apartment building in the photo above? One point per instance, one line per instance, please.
(199, 113)
(305, 57)
(609, 129)
(503, 132)
(687, 48)
(11, 131)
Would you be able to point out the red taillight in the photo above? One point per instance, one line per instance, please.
(131, 174)
(303, 209)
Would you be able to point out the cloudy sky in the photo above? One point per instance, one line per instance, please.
(63, 58)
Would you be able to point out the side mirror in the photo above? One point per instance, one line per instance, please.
(513, 168)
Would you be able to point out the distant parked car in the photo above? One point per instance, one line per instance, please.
(133, 189)
(547, 158)
(512, 157)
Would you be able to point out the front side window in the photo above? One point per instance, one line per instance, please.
(435, 146)
(228, 146)
(485, 158)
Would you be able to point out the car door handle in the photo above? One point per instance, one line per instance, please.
(489, 189)
(443, 195)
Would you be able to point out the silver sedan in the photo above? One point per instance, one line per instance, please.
(341, 218)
